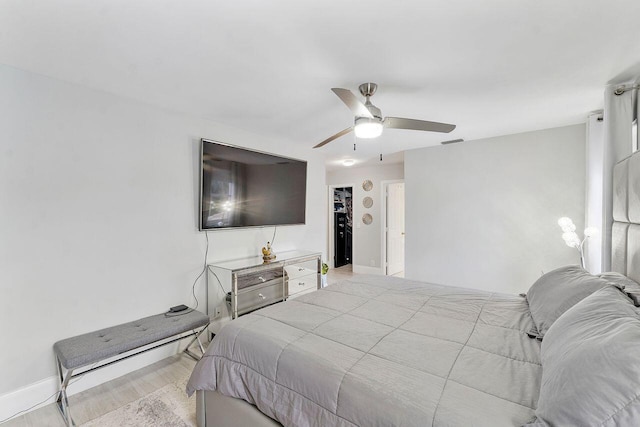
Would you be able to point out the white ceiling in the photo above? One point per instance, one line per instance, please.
(492, 67)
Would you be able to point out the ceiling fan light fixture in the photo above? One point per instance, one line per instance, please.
(367, 128)
(369, 122)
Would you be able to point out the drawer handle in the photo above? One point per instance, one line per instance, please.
(262, 296)
(262, 278)
(300, 283)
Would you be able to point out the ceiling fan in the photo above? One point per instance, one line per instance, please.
(368, 118)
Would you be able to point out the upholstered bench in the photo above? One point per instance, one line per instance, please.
(95, 347)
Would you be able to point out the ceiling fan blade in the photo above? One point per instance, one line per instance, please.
(352, 101)
(336, 136)
(401, 123)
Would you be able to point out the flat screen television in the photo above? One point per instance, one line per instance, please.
(246, 188)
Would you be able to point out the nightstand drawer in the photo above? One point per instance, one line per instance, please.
(301, 269)
(259, 296)
(263, 277)
(302, 284)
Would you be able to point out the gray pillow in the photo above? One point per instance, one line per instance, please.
(590, 364)
(620, 280)
(556, 292)
(630, 287)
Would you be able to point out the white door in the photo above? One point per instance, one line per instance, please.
(395, 228)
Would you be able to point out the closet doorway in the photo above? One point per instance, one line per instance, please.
(341, 225)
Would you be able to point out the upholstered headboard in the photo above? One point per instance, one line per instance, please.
(625, 235)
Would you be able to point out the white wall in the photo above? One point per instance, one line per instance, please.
(484, 213)
(98, 214)
(367, 239)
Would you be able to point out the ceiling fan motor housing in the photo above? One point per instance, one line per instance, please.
(367, 90)
(375, 111)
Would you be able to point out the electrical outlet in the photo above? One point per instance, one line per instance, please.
(218, 312)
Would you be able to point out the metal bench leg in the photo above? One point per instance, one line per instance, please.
(196, 338)
(62, 402)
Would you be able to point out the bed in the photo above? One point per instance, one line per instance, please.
(383, 351)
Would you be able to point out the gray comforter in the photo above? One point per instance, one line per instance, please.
(381, 351)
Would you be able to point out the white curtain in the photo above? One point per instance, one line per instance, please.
(619, 113)
(594, 197)
(637, 121)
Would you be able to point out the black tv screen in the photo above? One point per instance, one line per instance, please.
(245, 188)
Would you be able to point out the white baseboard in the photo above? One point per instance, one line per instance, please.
(30, 395)
(363, 269)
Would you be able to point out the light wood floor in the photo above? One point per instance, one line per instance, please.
(341, 273)
(97, 401)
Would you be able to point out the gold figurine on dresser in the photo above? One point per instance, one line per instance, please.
(267, 253)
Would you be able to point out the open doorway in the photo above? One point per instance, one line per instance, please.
(341, 230)
(393, 233)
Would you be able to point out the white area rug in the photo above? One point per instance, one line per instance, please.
(166, 407)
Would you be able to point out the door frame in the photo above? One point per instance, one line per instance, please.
(384, 185)
(330, 231)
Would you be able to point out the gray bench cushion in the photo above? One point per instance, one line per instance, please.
(95, 346)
